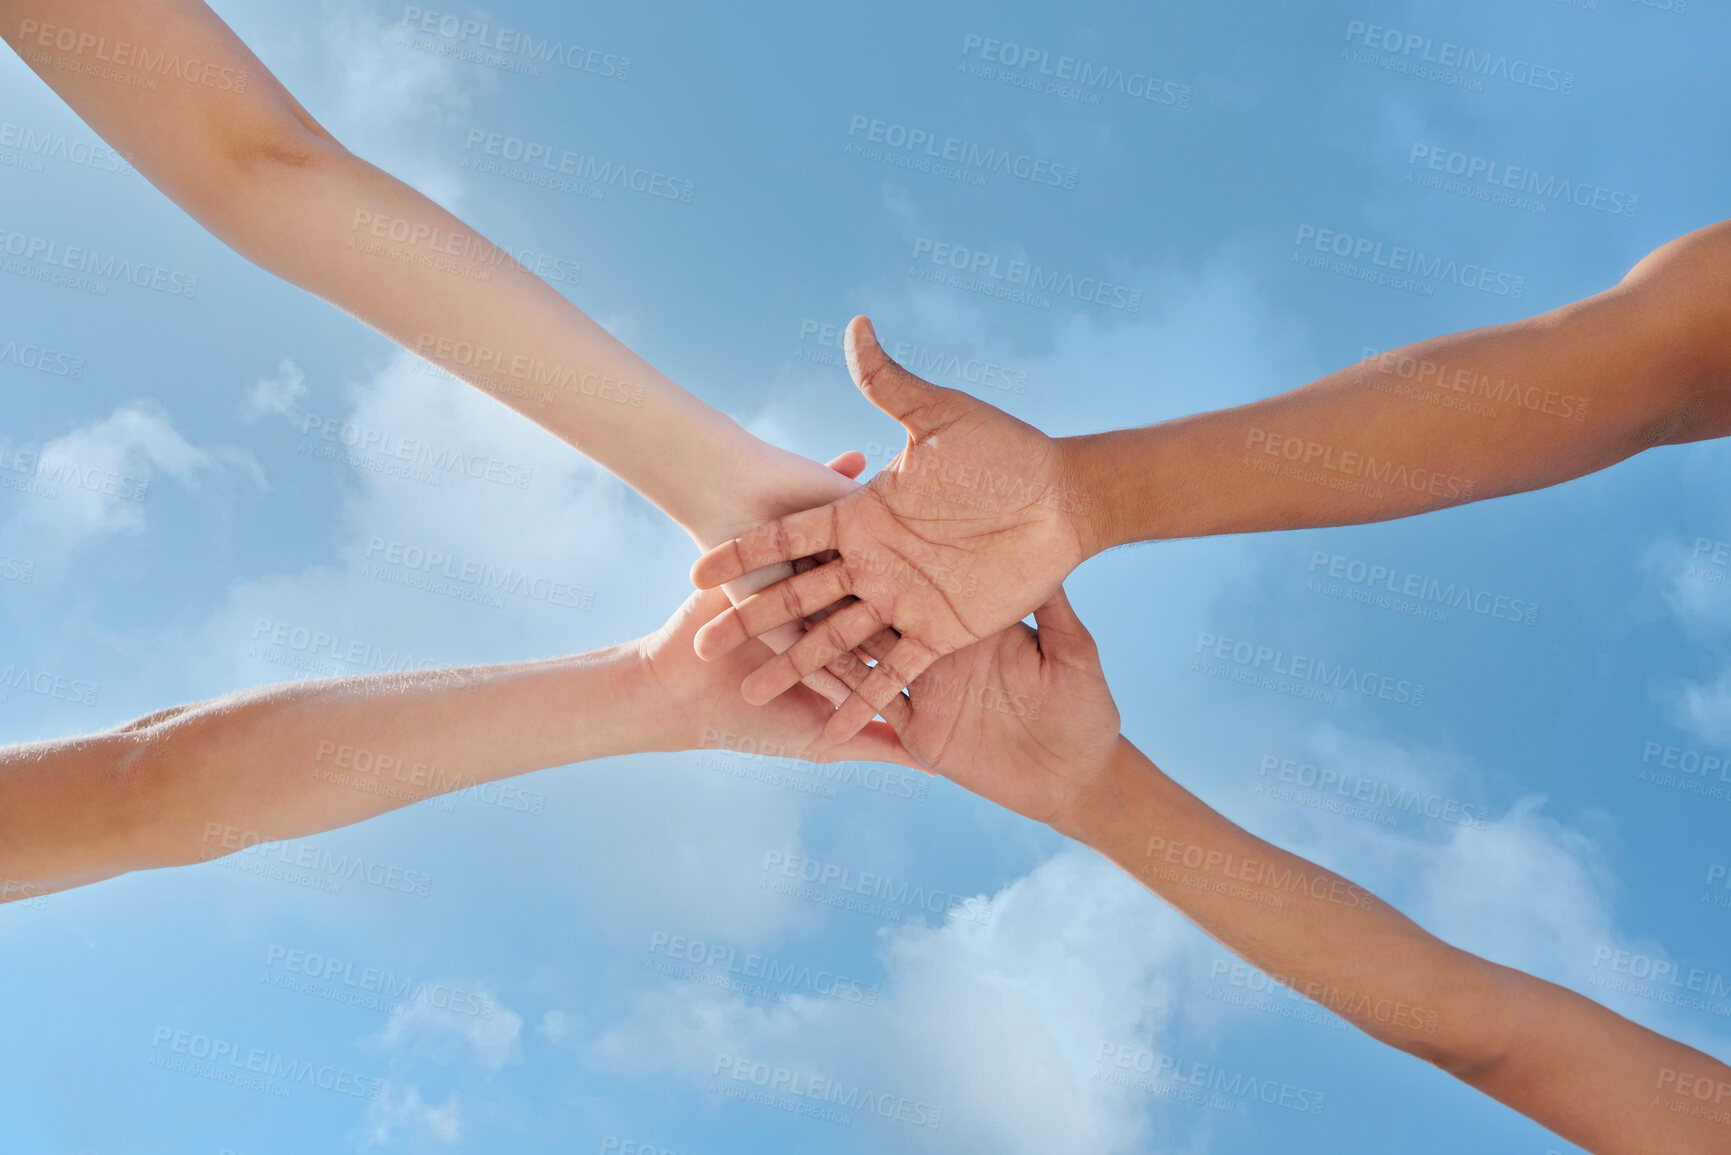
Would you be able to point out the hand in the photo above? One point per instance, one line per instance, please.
(756, 483)
(960, 536)
(690, 704)
(1022, 719)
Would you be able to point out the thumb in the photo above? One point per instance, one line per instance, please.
(920, 406)
(1063, 637)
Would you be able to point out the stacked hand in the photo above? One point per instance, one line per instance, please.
(1023, 719)
(962, 535)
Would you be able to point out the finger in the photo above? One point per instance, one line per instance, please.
(1061, 634)
(788, 601)
(906, 661)
(851, 670)
(850, 464)
(876, 743)
(837, 634)
(880, 644)
(921, 407)
(782, 540)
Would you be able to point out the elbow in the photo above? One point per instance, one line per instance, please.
(137, 827)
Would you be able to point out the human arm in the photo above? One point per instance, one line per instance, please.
(235, 149)
(1025, 720)
(198, 782)
(1484, 413)
(982, 516)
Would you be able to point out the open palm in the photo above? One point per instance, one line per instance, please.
(963, 534)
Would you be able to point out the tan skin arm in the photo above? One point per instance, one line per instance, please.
(982, 516)
(1025, 720)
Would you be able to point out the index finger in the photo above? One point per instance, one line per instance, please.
(785, 539)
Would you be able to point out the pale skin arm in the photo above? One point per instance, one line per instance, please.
(982, 516)
(235, 150)
(198, 782)
(1025, 720)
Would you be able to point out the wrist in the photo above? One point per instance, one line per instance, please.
(643, 716)
(1088, 493)
(1094, 810)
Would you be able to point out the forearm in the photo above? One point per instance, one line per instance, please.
(1315, 932)
(295, 759)
(1459, 418)
(234, 149)
(1592, 1076)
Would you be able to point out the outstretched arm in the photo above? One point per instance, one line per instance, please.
(202, 781)
(981, 517)
(1597, 1079)
(171, 87)
(1479, 414)
(1025, 720)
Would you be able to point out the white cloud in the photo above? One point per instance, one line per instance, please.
(399, 1111)
(384, 87)
(1705, 710)
(279, 395)
(999, 1023)
(444, 1034)
(95, 481)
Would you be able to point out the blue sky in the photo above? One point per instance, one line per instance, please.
(550, 1002)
